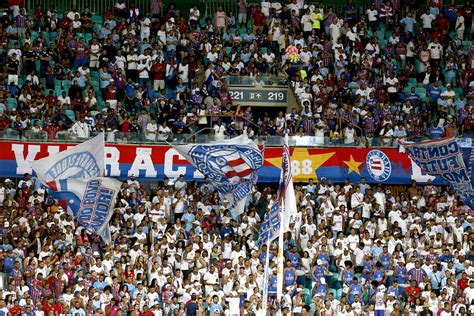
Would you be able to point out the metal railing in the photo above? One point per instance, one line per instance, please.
(268, 80)
(96, 7)
(206, 135)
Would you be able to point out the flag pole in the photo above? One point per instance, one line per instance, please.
(266, 275)
(280, 259)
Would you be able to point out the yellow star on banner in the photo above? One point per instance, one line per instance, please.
(303, 164)
(353, 166)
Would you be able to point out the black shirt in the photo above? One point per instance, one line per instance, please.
(12, 66)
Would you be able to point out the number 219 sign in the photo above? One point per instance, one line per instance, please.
(258, 95)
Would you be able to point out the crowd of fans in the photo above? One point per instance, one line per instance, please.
(378, 71)
(355, 249)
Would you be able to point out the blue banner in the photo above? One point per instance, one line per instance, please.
(91, 201)
(230, 165)
(443, 158)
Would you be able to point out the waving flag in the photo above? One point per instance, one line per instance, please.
(74, 178)
(83, 161)
(285, 196)
(91, 201)
(230, 165)
(444, 158)
(277, 220)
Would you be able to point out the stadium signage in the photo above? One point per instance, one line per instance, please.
(157, 162)
(262, 97)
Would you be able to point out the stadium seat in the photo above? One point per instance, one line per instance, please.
(71, 114)
(11, 103)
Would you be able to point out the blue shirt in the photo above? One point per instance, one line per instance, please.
(8, 262)
(188, 219)
(130, 90)
(215, 307)
(409, 24)
(436, 132)
(413, 98)
(104, 80)
(74, 311)
(434, 92)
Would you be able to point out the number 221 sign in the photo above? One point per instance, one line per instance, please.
(259, 96)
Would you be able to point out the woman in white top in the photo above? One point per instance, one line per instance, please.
(151, 130)
(349, 135)
(163, 131)
(203, 117)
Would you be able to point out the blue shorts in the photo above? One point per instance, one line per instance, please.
(378, 313)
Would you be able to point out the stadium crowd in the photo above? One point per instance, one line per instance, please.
(353, 249)
(384, 71)
(356, 249)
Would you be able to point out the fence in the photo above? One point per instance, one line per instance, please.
(97, 7)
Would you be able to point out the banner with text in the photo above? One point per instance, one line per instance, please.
(443, 158)
(91, 201)
(155, 162)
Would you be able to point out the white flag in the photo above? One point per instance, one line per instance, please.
(83, 161)
(230, 165)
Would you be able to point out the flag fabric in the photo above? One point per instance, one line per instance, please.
(72, 176)
(266, 276)
(230, 165)
(443, 158)
(91, 201)
(270, 227)
(288, 211)
(83, 161)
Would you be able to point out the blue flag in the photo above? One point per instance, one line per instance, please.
(91, 201)
(230, 165)
(444, 158)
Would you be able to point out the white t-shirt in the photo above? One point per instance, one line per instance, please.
(380, 301)
(426, 20)
(337, 223)
(436, 50)
(372, 15)
(151, 129)
(390, 82)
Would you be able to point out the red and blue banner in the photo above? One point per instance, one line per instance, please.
(148, 162)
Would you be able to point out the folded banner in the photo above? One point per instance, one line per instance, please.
(270, 225)
(230, 165)
(91, 201)
(84, 161)
(286, 196)
(443, 158)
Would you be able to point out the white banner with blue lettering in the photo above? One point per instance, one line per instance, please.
(444, 158)
(91, 201)
(83, 161)
(230, 165)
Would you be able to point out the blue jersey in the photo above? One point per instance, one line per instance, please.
(322, 290)
(402, 275)
(379, 275)
(367, 269)
(272, 286)
(348, 277)
(385, 260)
(356, 289)
(318, 272)
(290, 277)
(324, 257)
(294, 259)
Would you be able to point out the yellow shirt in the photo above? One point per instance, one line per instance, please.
(303, 74)
(317, 18)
